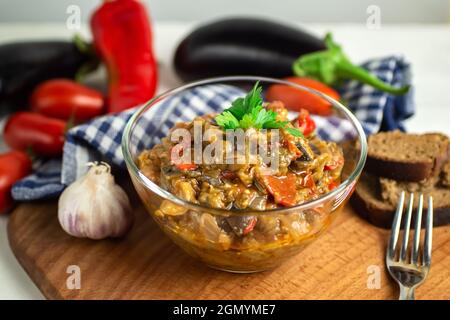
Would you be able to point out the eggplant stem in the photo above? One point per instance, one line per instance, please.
(82, 45)
(86, 48)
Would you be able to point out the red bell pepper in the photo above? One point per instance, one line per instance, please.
(28, 130)
(123, 40)
(66, 99)
(228, 175)
(250, 226)
(14, 165)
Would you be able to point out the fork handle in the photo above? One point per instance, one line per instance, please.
(406, 293)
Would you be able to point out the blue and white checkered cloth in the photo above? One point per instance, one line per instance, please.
(100, 138)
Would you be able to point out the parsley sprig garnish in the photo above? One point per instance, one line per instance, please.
(248, 112)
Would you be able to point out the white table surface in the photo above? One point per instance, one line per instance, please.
(427, 47)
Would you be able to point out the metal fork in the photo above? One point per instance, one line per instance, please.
(410, 273)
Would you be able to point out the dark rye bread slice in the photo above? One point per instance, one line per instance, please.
(391, 189)
(408, 157)
(445, 175)
(368, 202)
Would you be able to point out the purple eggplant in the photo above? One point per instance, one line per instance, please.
(242, 46)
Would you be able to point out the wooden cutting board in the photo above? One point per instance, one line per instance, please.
(146, 265)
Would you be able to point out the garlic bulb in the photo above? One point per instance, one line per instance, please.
(94, 206)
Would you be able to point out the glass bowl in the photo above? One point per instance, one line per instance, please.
(284, 232)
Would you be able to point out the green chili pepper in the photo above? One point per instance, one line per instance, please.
(332, 65)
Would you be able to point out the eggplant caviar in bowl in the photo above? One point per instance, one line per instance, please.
(236, 180)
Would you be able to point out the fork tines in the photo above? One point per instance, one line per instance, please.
(396, 225)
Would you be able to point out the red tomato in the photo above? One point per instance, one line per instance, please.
(334, 164)
(332, 185)
(14, 165)
(282, 189)
(65, 99)
(296, 99)
(308, 181)
(186, 166)
(305, 123)
(293, 148)
(43, 135)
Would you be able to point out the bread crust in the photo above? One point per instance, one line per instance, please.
(413, 171)
(390, 162)
(402, 171)
(376, 216)
(382, 217)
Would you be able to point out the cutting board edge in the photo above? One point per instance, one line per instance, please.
(29, 225)
(34, 273)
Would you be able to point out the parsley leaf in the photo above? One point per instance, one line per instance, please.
(227, 120)
(295, 132)
(237, 108)
(243, 106)
(275, 124)
(247, 121)
(248, 112)
(263, 116)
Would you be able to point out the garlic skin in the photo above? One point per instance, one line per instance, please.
(94, 206)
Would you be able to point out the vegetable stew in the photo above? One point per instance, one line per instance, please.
(308, 168)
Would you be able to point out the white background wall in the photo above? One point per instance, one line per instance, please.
(392, 11)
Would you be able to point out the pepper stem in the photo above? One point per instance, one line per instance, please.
(348, 70)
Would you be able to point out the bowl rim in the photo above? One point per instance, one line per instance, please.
(136, 173)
